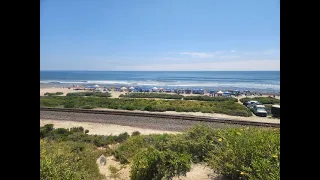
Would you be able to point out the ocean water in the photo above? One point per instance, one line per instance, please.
(262, 81)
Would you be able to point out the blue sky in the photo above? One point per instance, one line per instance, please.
(160, 35)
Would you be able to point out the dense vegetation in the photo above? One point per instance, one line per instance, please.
(263, 100)
(224, 107)
(53, 94)
(72, 153)
(208, 98)
(152, 95)
(68, 160)
(96, 94)
(250, 153)
(78, 134)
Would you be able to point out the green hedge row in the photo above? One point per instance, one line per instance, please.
(96, 94)
(224, 107)
(53, 94)
(208, 98)
(152, 95)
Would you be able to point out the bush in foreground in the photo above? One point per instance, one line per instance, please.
(78, 134)
(68, 160)
(252, 153)
(247, 154)
(236, 153)
(151, 164)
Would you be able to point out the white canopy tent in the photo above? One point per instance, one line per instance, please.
(154, 89)
(219, 92)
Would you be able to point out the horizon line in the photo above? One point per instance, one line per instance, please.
(158, 70)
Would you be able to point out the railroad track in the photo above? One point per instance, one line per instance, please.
(167, 116)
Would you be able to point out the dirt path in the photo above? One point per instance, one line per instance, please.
(198, 171)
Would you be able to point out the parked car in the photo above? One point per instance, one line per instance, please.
(275, 110)
(259, 110)
(252, 103)
(249, 102)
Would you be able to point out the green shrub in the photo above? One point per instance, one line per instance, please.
(53, 94)
(247, 154)
(145, 165)
(68, 160)
(135, 133)
(77, 129)
(46, 130)
(151, 164)
(197, 142)
(61, 131)
(78, 134)
(129, 148)
(48, 127)
(122, 137)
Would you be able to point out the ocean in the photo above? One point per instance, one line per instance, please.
(259, 81)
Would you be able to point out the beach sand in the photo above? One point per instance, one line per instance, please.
(101, 128)
(116, 94)
(43, 90)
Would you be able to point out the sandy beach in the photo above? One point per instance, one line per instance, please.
(65, 91)
(116, 94)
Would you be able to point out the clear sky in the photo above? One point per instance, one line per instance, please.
(160, 35)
